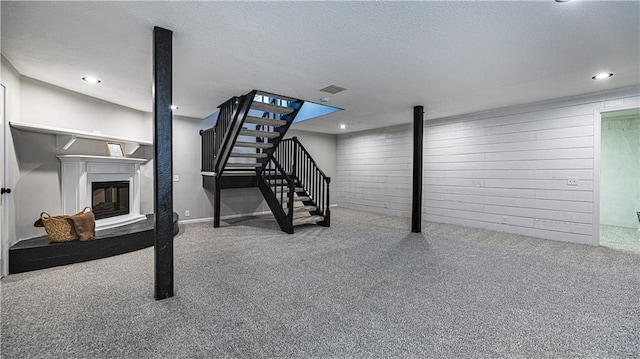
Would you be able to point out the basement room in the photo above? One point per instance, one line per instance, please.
(320, 179)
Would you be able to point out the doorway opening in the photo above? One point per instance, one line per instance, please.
(619, 197)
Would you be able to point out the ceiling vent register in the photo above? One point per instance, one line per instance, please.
(333, 89)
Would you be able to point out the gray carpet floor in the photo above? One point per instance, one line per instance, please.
(621, 238)
(363, 288)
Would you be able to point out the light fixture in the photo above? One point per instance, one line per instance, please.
(343, 126)
(174, 107)
(602, 76)
(324, 99)
(91, 79)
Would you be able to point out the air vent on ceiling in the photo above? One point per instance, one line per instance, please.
(333, 89)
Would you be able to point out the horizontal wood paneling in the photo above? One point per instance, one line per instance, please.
(374, 170)
(509, 171)
(505, 170)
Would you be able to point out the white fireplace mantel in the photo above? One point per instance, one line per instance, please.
(79, 171)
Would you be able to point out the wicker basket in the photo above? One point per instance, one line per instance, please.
(59, 228)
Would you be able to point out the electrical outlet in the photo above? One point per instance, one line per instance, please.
(176, 178)
(187, 213)
(572, 181)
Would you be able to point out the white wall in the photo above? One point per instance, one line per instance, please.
(374, 170)
(620, 171)
(504, 170)
(46, 104)
(188, 193)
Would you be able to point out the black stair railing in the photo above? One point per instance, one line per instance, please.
(218, 141)
(278, 189)
(213, 138)
(296, 160)
(208, 154)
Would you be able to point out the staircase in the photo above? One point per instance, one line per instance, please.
(246, 148)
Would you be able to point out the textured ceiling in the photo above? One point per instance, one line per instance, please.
(451, 57)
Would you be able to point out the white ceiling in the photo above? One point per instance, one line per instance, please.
(451, 57)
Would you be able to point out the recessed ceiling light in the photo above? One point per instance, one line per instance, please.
(602, 76)
(174, 107)
(343, 126)
(91, 79)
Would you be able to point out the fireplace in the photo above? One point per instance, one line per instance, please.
(110, 199)
(110, 185)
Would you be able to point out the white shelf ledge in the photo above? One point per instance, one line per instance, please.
(66, 137)
(87, 158)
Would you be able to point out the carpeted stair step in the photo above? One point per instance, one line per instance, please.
(242, 165)
(297, 215)
(273, 181)
(271, 174)
(265, 121)
(285, 189)
(253, 144)
(254, 133)
(307, 220)
(265, 107)
(296, 199)
(247, 155)
(238, 173)
(303, 209)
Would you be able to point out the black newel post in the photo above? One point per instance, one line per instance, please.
(416, 206)
(163, 169)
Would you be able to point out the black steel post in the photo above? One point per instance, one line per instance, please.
(416, 206)
(216, 204)
(163, 163)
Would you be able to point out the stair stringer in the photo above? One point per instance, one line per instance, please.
(285, 220)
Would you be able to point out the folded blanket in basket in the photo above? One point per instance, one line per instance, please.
(85, 225)
(81, 225)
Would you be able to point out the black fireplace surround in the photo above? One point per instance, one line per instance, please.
(110, 199)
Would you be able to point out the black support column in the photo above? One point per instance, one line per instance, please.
(216, 205)
(163, 169)
(416, 206)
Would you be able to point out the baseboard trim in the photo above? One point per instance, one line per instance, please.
(230, 216)
(196, 220)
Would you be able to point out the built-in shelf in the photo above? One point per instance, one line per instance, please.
(87, 158)
(66, 137)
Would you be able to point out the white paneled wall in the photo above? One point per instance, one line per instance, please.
(510, 173)
(374, 170)
(505, 170)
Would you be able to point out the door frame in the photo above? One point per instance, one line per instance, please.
(4, 228)
(597, 148)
